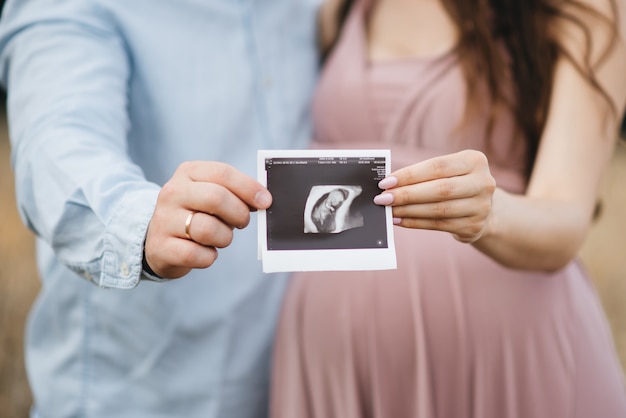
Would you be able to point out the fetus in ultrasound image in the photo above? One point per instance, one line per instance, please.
(330, 209)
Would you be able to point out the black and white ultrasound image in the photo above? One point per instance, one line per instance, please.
(325, 203)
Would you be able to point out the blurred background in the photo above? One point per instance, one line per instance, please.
(603, 254)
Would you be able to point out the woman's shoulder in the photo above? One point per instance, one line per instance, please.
(579, 21)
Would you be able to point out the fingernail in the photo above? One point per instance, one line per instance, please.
(396, 221)
(384, 199)
(387, 182)
(263, 198)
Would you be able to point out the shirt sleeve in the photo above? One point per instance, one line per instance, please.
(66, 70)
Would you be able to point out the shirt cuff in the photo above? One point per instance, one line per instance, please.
(124, 236)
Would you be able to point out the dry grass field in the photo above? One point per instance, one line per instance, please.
(603, 253)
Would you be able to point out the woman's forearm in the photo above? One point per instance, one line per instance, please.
(533, 233)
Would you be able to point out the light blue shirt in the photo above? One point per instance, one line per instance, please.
(105, 99)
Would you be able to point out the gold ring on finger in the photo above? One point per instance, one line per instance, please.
(188, 225)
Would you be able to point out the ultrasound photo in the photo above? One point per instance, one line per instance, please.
(323, 216)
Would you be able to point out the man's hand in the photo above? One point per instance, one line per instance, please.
(220, 199)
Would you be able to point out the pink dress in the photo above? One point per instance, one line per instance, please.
(450, 333)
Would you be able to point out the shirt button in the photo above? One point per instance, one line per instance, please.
(124, 270)
(268, 82)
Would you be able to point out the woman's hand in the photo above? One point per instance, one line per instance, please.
(451, 193)
(195, 214)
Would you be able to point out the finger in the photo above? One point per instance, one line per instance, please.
(431, 191)
(464, 229)
(176, 257)
(458, 208)
(215, 199)
(449, 165)
(206, 230)
(241, 185)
